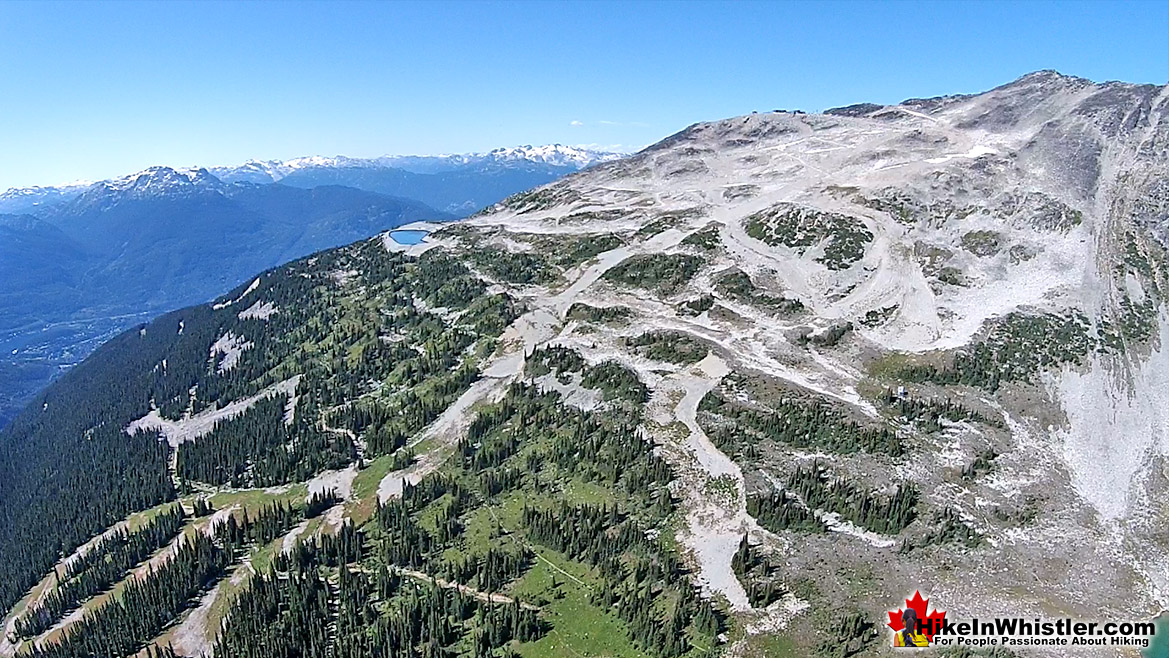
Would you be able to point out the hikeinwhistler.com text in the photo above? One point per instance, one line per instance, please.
(1017, 631)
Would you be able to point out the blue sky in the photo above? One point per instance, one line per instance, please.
(93, 90)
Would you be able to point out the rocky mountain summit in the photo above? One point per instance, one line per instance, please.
(1001, 252)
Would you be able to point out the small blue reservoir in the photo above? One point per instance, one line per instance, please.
(407, 237)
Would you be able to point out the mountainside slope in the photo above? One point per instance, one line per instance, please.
(742, 390)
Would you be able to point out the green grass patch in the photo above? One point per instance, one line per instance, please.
(580, 628)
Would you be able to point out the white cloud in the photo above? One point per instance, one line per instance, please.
(626, 124)
(576, 123)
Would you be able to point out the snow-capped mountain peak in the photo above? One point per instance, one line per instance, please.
(557, 155)
(552, 155)
(152, 183)
(158, 181)
(19, 200)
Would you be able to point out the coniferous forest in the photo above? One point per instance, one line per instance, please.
(338, 371)
(70, 469)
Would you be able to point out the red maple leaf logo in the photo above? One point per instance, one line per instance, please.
(931, 622)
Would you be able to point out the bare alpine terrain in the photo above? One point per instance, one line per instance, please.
(740, 393)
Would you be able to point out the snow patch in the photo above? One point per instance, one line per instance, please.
(339, 481)
(572, 393)
(975, 152)
(832, 520)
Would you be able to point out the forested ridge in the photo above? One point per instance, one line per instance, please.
(69, 470)
(344, 362)
(154, 599)
(102, 566)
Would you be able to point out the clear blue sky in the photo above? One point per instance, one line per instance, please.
(93, 90)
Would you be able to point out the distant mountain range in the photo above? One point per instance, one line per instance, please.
(458, 184)
(82, 262)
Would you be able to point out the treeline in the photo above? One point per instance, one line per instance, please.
(848, 635)
(665, 273)
(553, 359)
(758, 575)
(983, 463)
(489, 315)
(946, 528)
(582, 312)
(929, 414)
(615, 381)
(884, 514)
(706, 238)
(259, 448)
(738, 286)
(799, 424)
(697, 306)
(512, 266)
(637, 576)
(843, 237)
(98, 569)
(1015, 350)
(669, 346)
(568, 252)
(777, 512)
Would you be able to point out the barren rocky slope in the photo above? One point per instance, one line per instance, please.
(1002, 251)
